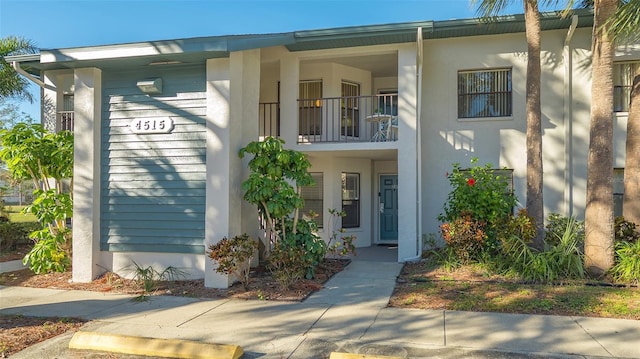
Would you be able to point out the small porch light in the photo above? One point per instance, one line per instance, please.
(150, 86)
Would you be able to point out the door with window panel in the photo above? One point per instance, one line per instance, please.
(350, 110)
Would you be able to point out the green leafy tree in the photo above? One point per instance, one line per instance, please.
(273, 183)
(32, 153)
(13, 85)
(274, 187)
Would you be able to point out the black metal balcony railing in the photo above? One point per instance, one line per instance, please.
(348, 119)
(337, 119)
(65, 119)
(269, 124)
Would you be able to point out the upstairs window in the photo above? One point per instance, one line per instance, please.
(484, 93)
(622, 81)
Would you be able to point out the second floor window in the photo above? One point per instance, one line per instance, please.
(623, 73)
(484, 93)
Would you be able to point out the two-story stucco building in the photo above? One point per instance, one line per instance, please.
(381, 111)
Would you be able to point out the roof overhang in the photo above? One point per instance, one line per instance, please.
(197, 50)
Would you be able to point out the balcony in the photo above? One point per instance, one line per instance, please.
(65, 121)
(337, 119)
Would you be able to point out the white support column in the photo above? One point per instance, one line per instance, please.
(233, 91)
(218, 176)
(408, 235)
(86, 173)
(49, 103)
(289, 92)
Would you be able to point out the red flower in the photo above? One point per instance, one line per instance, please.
(471, 181)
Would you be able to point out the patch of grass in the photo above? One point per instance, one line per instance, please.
(16, 215)
(468, 288)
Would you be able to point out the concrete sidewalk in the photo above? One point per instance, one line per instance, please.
(348, 315)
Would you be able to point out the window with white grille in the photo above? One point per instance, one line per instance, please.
(484, 93)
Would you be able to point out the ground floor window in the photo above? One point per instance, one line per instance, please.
(618, 191)
(350, 199)
(313, 199)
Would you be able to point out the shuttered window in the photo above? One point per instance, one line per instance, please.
(313, 199)
(623, 73)
(485, 93)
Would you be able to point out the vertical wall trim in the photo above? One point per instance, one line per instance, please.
(408, 236)
(218, 176)
(86, 172)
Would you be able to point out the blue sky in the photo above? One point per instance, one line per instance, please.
(72, 23)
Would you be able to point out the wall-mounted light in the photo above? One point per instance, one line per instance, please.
(150, 86)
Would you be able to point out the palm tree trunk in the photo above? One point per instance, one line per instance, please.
(631, 204)
(599, 202)
(535, 205)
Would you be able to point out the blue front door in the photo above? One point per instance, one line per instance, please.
(388, 208)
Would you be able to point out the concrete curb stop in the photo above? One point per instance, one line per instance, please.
(336, 355)
(169, 348)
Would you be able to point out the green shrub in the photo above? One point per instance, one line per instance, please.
(482, 194)
(627, 265)
(557, 225)
(234, 257)
(305, 237)
(12, 234)
(287, 263)
(564, 260)
(49, 253)
(465, 236)
(625, 231)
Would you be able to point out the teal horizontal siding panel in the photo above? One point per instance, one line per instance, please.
(124, 185)
(157, 248)
(180, 210)
(167, 201)
(152, 177)
(153, 185)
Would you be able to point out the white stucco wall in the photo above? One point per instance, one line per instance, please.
(446, 139)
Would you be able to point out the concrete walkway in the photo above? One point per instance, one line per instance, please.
(348, 315)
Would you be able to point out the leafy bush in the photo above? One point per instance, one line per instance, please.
(515, 235)
(562, 260)
(234, 257)
(481, 194)
(557, 226)
(12, 234)
(49, 253)
(465, 236)
(305, 237)
(288, 263)
(625, 231)
(627, 265)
